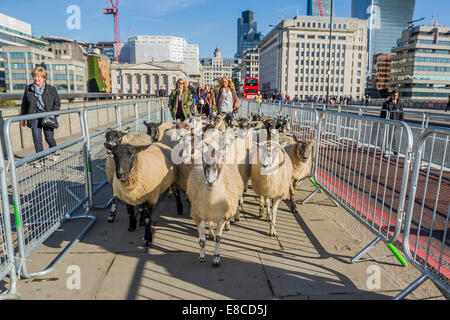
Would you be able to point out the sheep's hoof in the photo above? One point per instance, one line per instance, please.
(261, 212)
(111, 218)
(236, 219)
(216, 260)
(227, 226)
(202, 259)
(272, 232)
(211, 236)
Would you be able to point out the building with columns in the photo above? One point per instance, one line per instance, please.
(146, 78)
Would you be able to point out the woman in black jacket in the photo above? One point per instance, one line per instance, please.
(40, 97)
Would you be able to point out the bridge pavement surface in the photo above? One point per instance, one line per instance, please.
(309, 259)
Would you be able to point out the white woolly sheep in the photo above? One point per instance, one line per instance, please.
(214, 190)
(301, 155)
(271, 178)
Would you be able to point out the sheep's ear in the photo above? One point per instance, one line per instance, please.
(109, 146)
(141, 148)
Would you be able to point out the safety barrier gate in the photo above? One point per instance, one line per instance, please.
(363, 163)
(425, 235)
(7, 264)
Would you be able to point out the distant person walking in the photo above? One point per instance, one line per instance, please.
(395, 109)
(227, 101)
(40, 97)
(193, 92)
(180, 101)
(162, 93)
(448, 104)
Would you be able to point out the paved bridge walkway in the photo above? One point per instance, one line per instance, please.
(308, 260)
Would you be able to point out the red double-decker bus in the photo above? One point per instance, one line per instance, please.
(251, 88)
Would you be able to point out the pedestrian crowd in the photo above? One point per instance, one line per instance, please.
(188, 99)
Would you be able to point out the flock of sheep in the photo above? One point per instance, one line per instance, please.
(213, 162)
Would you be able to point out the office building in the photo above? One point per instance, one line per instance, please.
(14, 32)
(320, 8)
(250, 63)
(140, 49)
(216, 67)
(296, 58)
(420, 69)
(247, 33)
(64, 73)
(389, 19)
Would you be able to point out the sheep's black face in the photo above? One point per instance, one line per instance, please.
(152, 129)
(125, 158)
(114, 137)
(284, 125)
(212, 173)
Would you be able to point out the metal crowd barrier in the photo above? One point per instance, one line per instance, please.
(7, 263)
(425, 235)
(44, 198)
(358, 165)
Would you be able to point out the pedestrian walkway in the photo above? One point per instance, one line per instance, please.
(309, 259)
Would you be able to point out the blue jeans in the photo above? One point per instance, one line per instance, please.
(37, 136)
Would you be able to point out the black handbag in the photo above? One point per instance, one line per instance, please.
(49, 122)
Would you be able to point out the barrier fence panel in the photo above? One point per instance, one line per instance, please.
(425, 236)
(362, 163)
(7, 264)
(46, 193)
(304, 121)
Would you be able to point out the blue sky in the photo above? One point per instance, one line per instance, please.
(205, 22)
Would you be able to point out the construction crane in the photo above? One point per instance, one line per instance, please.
(115, 12)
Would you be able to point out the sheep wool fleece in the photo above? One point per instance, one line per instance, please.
(153, 173)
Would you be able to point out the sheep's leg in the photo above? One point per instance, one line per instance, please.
(268, 213)
(202, 240)
(261, 206)
(112, 212)
(148, 207)
(276, 202)
(220, 226)
(292, 188)
(141, 209)
(169, 193)
(132, 218)
(211, 234)
(176, 192)
(238, 211)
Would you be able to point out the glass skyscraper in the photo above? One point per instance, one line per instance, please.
(247, 33)
(319, 8)
(389, 19)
